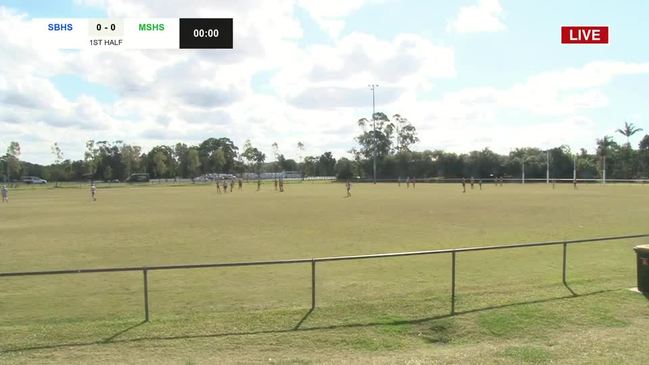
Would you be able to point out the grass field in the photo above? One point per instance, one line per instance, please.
(511, 303)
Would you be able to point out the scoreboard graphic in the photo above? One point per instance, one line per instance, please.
(132, 33)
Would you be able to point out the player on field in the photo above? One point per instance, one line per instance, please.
(218, 186)
(399, 181)
(5, 194)
(348, 185)
(463, 185)
(93, 192)
(225, 185)
(281, 184)
(258, 184)
(240, 184)
(231, 184)
(574, 184)
(471, 181)
(413, 182)
(480, 183)
(408, 182)
(276, 184)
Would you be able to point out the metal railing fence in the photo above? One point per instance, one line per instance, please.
(452, 251)
(507, 180)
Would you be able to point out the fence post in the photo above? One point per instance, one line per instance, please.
(565, 259)
(313, 284)
(146, 295)
(453, 283)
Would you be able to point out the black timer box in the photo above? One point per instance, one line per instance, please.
(206, 33)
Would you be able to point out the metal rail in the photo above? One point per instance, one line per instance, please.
(509, 180)
(313, 261)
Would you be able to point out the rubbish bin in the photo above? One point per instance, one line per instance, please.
(643, 267)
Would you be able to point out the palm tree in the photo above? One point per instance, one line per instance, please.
(628, 130)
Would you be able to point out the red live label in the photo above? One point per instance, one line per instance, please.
(583, 34)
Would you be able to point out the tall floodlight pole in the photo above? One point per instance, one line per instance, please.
(574, 168)
(547, 166)
(373, 88)
(604, 169)
(523, 174)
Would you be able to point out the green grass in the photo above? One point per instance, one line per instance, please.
(529, 354)
(511, 305)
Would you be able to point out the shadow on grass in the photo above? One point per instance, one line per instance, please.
(569, 289)
(537, 301)
(297, 328)
(106, 340)
(111, 338)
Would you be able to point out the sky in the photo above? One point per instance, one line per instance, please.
(467, 74)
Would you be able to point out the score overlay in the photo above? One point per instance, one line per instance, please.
(132, 33)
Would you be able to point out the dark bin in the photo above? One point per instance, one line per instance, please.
(643, 267)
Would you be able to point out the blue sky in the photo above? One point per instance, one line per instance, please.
(468, 74)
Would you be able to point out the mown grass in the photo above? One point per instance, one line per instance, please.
(511, 305)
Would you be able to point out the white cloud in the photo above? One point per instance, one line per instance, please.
(575, 131)
(486, 16)
(322, 76)
(545, 110)
(170, 96)
(315, 93)
(565, 91)
(329, 15)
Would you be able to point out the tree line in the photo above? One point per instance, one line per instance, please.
(388, 140)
